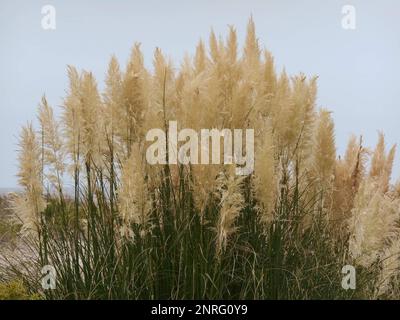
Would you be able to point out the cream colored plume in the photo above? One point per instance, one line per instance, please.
(373, 222)
(29, 205)
(382, 163)
(53, 145)
(324, 150)
(265, 176)
(133, 196)
(390, 266)
(231, 204)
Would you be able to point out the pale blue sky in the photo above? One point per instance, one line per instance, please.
(358, 70)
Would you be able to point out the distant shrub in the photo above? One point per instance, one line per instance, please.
(15, 290)
(8, 230)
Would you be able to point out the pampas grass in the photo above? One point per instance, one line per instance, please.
(131, 230)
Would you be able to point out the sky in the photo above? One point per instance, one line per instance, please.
(358, 69)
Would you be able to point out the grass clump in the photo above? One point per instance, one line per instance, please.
(126, 229)
(15, 290)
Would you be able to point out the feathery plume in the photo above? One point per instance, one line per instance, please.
(72, 117)
(134, 99)
(200, 60)
(372, 222)
(133, 197)
(265, 177)
(251, 49)
(349, 174)
(214, 49)
(113, 96)
(91, 109)
(29, 205)
(54, 153)
(378, 158)
(231, 204)
(390, 266)
(324, 150)
(382, 163)
(269, 75)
